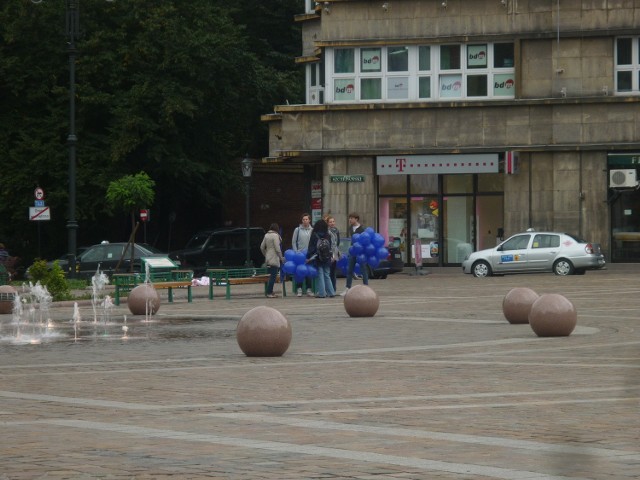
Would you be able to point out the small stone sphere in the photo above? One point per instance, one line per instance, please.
(264, 332)
(7, 296)
(138, 298)
(517, 303)
(553, 315)
(361, 301)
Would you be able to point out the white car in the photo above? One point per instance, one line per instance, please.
(531, 251)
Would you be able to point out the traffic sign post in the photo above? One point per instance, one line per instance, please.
(39, 213)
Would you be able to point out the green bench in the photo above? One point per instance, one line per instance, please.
(225, 277)
(125, 282)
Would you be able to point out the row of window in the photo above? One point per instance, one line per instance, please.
(421, 72)
(437, 72)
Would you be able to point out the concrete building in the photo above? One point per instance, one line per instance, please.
(457, 122)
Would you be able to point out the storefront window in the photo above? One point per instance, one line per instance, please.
(459, 221)
(424, 184)
(392, 184)
(425, 228)
(393, 222)
(458, 184)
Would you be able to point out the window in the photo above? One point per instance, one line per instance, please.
(420, 72)
(519, 242)
(546, 241)
(627, 57)
(315, 83)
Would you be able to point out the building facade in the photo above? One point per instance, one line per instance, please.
(448, 125)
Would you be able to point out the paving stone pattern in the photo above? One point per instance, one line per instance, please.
(438, 385)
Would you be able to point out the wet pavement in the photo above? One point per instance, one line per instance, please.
(438, 385)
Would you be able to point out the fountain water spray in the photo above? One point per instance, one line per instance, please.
(98, 283)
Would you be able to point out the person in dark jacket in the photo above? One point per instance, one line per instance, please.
(324, 287)
(355, 227)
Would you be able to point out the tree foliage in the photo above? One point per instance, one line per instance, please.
(170, 87)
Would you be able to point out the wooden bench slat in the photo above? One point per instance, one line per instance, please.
(221, 277)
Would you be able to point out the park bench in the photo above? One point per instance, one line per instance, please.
(225, 277)
(162, 274)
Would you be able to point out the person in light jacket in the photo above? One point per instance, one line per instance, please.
(300, 243)
(271, 248)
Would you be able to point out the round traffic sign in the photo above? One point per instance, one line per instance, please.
(38, 193)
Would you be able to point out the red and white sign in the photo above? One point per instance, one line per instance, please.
(38, 193)
(437, 164)
(144, 215)
(39, 213)
(511, 162)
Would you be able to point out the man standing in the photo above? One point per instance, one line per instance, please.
(355, 227)
(300, 242)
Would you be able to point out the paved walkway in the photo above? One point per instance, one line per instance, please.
(436, 386)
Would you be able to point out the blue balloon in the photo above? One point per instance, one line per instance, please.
(289, 267)
(299, 258)
(356, 249)
(370, 250)
(354, 238)
(365, 239)
(343, 262)
(289, 254)
(357, 269)
(312, 271)
(382, 253)
(378, 240)
(301, 271)
(361, 259)
(369, 230)
(373, 261)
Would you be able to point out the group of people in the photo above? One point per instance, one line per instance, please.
(320, 243)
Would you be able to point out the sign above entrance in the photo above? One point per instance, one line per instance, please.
(346, 178)
(631, 158)
(437, 164)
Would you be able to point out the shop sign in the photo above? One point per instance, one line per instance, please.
(623, 159)
(437, 164)
(346, 178)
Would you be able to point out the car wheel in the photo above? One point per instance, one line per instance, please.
(481, 269)
(563, 267)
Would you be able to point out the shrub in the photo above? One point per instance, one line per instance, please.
(53, 279)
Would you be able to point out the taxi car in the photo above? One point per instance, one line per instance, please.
(531, 251)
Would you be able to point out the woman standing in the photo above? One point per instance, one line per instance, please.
(320, 254)
(271, 248)
(335, 242)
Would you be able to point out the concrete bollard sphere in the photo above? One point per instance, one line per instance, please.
(7, 296)
(517, 303)
(553, 315)
(361, 301)
(138, 298)
(263, 332)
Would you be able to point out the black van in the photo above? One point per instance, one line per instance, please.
(220, 247)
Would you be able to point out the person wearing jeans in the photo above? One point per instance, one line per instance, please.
(355, 227)
(271, 248)
(324, 287)
(300, 242)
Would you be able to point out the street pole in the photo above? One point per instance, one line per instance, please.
(247, 166)
(73, 17)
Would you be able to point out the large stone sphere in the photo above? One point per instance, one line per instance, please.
(517, 303)
(264, 332)
(143, 300)
(361, 301)
(552, 315)
(7, 296)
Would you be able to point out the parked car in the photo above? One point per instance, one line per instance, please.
(392, 264)
(107, 255)
(530, 251)
(221, 247)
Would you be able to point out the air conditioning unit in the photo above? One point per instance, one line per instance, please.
(623, 178)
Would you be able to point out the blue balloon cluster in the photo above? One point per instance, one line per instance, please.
(296, 266)
(368, 249)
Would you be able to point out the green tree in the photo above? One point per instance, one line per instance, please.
(131, 193)
(170, 87)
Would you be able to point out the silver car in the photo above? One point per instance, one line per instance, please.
(531, 251)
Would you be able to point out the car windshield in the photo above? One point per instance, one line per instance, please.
(198, 240)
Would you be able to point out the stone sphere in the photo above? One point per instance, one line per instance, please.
(553, 315)
(142, 295)
(7, 295)
(361, 301)
(263, 332)
(517, 303)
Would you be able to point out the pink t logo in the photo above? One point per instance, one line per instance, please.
(401, 163)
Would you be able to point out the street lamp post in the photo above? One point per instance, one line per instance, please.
(72, 15)
(247, 167)
(73, 20)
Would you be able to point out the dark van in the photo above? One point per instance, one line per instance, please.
(220, 247)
